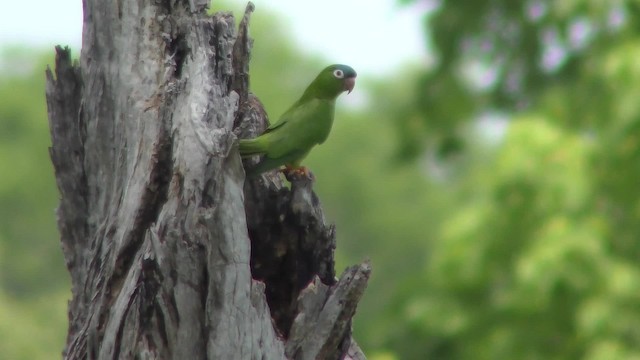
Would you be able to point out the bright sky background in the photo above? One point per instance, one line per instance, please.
(373, 36)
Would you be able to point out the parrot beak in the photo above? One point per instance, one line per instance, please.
(349, 84)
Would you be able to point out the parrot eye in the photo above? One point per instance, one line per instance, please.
(338, 73)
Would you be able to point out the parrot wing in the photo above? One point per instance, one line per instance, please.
(289, 140)
(300, 128)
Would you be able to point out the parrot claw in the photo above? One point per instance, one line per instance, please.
(297, 173)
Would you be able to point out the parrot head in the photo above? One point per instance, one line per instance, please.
(332, 81)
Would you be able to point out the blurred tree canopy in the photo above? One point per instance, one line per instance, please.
(524, 244)
(537, 258)
(34, 285)
(510, 56)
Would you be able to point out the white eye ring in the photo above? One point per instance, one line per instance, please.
(338, 73)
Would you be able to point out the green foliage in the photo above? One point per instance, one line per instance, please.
(538, 258)
(27, 189)
(34, 286)
(515, 262)
(33, 328)
(505, 55)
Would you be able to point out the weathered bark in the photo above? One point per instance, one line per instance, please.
(167, 259)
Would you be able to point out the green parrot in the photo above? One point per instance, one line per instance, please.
(307, 123)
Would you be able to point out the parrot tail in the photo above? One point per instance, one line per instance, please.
(249, 147)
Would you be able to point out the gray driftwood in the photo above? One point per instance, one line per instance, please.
(172, 254)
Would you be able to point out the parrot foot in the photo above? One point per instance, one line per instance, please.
(296, 173)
